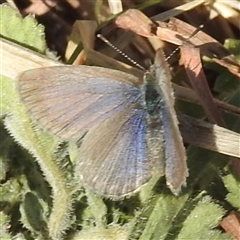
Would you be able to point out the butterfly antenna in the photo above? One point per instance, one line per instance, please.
(120, 52)
(136, 63)
(193, 34)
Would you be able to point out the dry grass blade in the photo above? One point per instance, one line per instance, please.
(210, 136)
(115, 6)
(40, 7)
(187, 94)
(136, 22)
(178, 10)
(225, 9)
(81, 31)
(231, 224)
(190, 57)
(14, 54)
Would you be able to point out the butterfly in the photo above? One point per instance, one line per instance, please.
(130, 129)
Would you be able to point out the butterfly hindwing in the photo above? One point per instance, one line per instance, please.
(113, 156)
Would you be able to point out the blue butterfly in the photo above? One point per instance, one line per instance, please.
(130, 130)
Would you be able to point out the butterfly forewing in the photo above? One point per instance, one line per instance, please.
(175, 156)
(176, 170)
(69, 100)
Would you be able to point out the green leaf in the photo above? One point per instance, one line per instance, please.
(5, 152)
(233, 46)
(226, 83)
(5, 223)
(163, 213)
(233, 186)
(97, 208)
(16, 186)
(184, 217)
(200, 222)
(114, 232)
(25, 31)
(32, 215)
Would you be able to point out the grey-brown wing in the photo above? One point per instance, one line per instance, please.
(113, 158)
(176, 170)
(69, 100)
